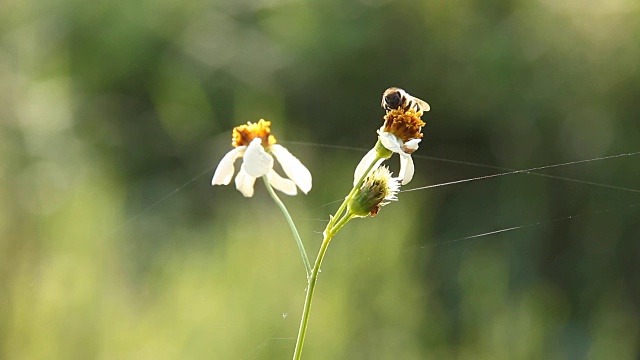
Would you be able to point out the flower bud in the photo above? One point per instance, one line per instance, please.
(377, 190)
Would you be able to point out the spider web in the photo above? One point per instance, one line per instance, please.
(282, 338)
(527, 223)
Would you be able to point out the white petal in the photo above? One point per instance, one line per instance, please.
(406, 168)
(292, 167)
(285, 185)
(391, 142)
(412, 144)
(224, 171)
(364, 164)
(257, 162)
(244, 182)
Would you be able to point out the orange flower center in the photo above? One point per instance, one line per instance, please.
(244, 134)
(406, 125)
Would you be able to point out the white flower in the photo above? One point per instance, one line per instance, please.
(404, 149)
(364, 164)
(400, 134)
(393, 144)
(257, 162)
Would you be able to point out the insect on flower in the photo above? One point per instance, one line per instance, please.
(395, 98)
(401, 132)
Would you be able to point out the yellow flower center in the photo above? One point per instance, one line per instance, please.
(244, 134)
(406, 125)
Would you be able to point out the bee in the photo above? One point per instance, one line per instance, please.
(394, 98)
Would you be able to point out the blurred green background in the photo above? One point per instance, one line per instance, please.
(114, 115)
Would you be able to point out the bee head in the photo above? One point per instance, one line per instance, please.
(392, 99)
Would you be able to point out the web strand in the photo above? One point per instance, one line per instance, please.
(508, 229)
(538, 223)
(507, 170)
(538, 168)
(161, 200)
(529, 171)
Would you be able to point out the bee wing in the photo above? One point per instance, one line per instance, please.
(422, 104)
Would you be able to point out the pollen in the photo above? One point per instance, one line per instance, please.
(406, 125)
(244, 134)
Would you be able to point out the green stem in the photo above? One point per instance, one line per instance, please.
(328, 235)
(335, 224)
(296, 235)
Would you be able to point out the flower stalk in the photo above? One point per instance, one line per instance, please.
(294, 230)
(336, 223)
(329, 233)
